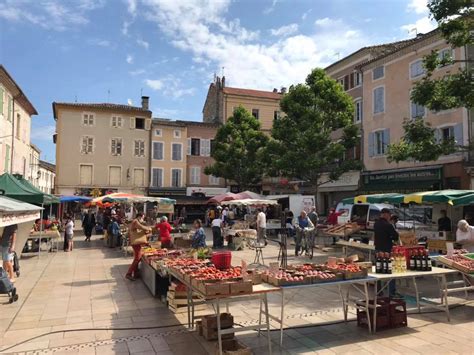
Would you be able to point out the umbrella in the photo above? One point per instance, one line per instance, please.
(250, 202)
(247, 195)
(74, 198)
(375, 198)
(440, 196)
(222, 197)
(131, 198)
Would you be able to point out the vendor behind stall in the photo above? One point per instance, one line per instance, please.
(165, 232)
(444, 223)
(465, 235)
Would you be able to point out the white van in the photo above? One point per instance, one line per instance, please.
(364, 214)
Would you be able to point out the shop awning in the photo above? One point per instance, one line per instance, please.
(13, 211)
(16, 187)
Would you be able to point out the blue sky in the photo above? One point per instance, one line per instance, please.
(114, 50)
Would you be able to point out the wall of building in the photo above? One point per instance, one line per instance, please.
(168, 134)
(266, 107)
(33, 162)
(15, 140)
(69, 158)
(397, 84)
(46, 180)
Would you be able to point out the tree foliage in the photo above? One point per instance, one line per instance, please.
(315, 132)
(237, 150)
(420, 143)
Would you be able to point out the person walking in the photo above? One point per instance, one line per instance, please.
(217, 240)
(138, 237)
(88, 223)
(8, 248)
(303, 226)
(385, 235)
(69, 233)
(261, 226)
(199, 237)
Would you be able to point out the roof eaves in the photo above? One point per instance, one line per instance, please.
(21, 95)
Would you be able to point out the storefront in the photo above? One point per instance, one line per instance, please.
(332, 192)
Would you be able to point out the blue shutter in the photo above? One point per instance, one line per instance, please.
(386, 139)
(371, 144)
(458, 134)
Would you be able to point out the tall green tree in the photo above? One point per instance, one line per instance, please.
(315, 132)
(453, 90)
(237, 150)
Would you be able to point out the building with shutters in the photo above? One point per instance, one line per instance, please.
(387, 83)
(46, 176)
(222, 100)
(102, 146)
(15, 127)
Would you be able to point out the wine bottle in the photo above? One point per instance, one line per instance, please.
(384, 264)
(412, 261)
(428, 262)
(389, 263)
(424, 261)
(378, 264)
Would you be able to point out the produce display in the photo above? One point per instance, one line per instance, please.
(459, 262)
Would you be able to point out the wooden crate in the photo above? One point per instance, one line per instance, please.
(210, 321)
(211, 334)
(241, 287)
(214, 289)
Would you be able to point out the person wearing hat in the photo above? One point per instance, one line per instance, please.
(384, 237)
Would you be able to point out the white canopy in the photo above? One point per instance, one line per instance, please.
(250, 202)
(14, 212)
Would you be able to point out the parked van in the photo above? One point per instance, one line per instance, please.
(364, 214)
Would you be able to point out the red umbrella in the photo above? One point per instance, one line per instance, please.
(228, 196)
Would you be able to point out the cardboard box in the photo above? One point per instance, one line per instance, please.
(210, 321)
(241, 287)
(233, 347)
(214, 289)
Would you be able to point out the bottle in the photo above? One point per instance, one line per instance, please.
(378, 264)
(428, 262)
(412, 261)
(384, 264)
(404, 263)
(424, 261)
(389, 263)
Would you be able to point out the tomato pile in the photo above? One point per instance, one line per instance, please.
(346, 267)
(212, 273)
(463, 261)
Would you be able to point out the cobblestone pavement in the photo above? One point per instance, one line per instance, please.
(80, 302)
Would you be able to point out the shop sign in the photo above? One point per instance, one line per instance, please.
(165, 208)
(16, 218)
(404, 176)
(347, 179)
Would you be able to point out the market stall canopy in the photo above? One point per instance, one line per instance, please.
(247, 195)
(13, 211)
(229, 196)
(74, 198)
(464, 200)
(131, 198)
(250, 202)
(20, 189)
(375, 198)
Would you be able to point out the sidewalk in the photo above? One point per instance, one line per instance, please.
(86, 289)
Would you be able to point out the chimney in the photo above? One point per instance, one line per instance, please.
(223, 82)
(275, 90)
(283, 90)
(145, 102)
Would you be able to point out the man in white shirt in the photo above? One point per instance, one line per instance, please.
(261, 226)
(217, 240)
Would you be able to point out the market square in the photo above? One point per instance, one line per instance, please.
(231, 178)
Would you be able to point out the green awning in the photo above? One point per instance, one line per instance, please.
(20, 189)
(48, 199)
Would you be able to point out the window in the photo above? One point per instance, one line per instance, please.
(195, 146)
(276, 115)
(358, 111)
(117, 122)
(139, 123)
(447, 133)
(416, 110)
(18, 126)
(446, 54)
(255, 113)
(451, 132)
(85, 175)
(378, 142)
(213, 145)
(115, 175)
(177, 133)
(205, 147)
(357, 79)
(87, 145)
(88, 119)
(378, 73)
(139, 148)
(195, 173)
(10, 109)
(379, 100)
(176, 152)
(158, 151)
(417, 69)
(2, 92)
(341, 81)
(116, 146)
(213, 180)
(158, 133)
(176, 177)
(346, 83)
(157, 177)
(139, 177)
(7, 158)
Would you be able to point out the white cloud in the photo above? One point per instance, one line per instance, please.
(43, 134)
(170, 86)
(129, 59)
(132, 7)
(423, 25)
(137, 72)
(418, 6)
(284, 30)
(99, 42)
(52, 14)
(305, 14)
(143, 43)
(271, 8)
(326, 22)
(125, 27)
(129, 102)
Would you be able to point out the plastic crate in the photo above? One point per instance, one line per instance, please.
(222, 259)
(383, 314)
(398, 313)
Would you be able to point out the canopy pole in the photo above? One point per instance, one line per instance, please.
(41, 230)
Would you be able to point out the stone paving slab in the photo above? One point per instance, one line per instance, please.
(83, 304)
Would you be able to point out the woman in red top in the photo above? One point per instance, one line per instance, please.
(165, 229)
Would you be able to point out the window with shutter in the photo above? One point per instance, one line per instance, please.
(115, 175)
(378, 73)
(139, 148)
(2, 93)
(7, 166)
(188, 147)
(417, 69)
(87, 145)
(196, 146)
(358, 111)
(346, 82)
(139, 177)
(147, 124)
(158, 150)
(458, 134)
(195, 175)
(379, 100)
(116, 121)
(379, 143)
(88, 119)
(176, 152)
(10, 109)
(176, 177)
(417, 110)
(116, 146)
(85, 175)
(157, 177)
(132, 122)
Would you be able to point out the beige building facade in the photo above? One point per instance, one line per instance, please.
(46, 177)
(34, 164)
(15, 127)
(102, 147)
(221, 101)
(388, 81)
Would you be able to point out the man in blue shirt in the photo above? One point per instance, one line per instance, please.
(7, 249)
(303, 225)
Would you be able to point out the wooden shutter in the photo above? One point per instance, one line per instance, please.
(1, 100)
(119, 147)
(386, 139)
(115, 173)
(458, 134)
(202, 147)
(147, 124)
(139, 177)
(437, 134)
(189, 147)
(132, 122)
(85, 175)
(351, 81)
(371, 144)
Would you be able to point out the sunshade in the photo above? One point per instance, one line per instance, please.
(74, 198)
(246, 195)
(250, 202)
(222, 197)
(375, 198)
(14, 211)
(20, 189)
(464, 200)
(131, 198)
(440, 196)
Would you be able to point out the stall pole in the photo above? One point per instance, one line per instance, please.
(41, 230)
